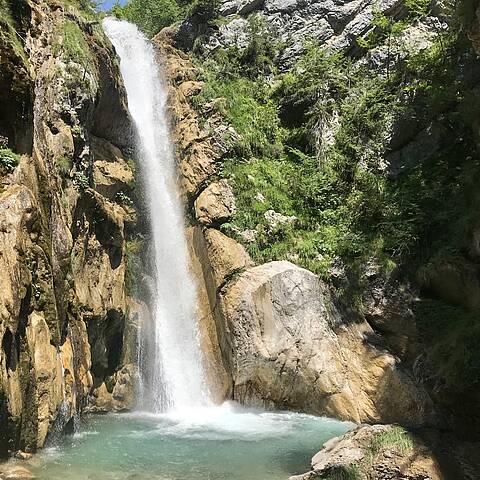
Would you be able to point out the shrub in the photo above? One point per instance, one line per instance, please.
(8, 159)
(206, 10)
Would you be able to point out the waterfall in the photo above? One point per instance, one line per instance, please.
(173, 376)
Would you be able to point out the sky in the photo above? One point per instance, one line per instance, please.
(106, 4)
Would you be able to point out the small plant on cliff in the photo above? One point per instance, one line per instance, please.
(80, 180)
(71, 44)
(8, 159)
(396, 439)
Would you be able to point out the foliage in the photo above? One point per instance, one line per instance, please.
(64, 164)
(133, 262)
(149, 15)
(452, 335)
(124, 199)
(71, 44)
(351, 472)
(206, 10)
(396, 439)
(80, 180)
(345, 204)
(8, 160)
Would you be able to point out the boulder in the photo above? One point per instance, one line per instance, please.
(216, 204)
(16, 472)
(288, 347)
(376, 451)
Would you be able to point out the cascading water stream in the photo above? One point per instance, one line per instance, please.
(174, 376)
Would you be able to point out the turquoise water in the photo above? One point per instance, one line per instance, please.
(219, 443)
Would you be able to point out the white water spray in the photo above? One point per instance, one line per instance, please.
(174, 377)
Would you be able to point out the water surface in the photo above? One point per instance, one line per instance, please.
(219, 443)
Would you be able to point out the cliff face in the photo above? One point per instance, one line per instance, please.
(274, 334)
(64, 218)
(288, 339)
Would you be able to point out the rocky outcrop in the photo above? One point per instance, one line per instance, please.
(336, 25)
(216, 204)
(289, 347)
(379, 452)
(63, 304)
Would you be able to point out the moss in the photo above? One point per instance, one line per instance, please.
(133, 262)
(71, 44)
(64, 164)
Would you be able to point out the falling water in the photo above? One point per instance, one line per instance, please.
(174, 377)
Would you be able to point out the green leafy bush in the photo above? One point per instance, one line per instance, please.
(8, 160)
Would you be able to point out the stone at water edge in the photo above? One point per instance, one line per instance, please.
(291, 348)
(20, 455)
(16, 473)
(373, 452)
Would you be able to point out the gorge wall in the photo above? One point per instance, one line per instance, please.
(274, 333)
(289, 339)
(65, 216)
(290, 318)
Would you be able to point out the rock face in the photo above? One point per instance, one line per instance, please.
(272, 333)
(290, 348)
(63, 303)
(336, 25)
(377, 452)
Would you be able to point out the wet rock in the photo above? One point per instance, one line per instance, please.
(20, 455)
(16, 473)
(61, 242)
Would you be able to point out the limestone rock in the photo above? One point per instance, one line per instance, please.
(111, 173)
(121, 396)
(16, 472)
(48, 373)
(275, 220)
(216, 204)
(337, 25)
(375, 451)
(218, 376)
(289, 348)
(226, 255)
(61, 243)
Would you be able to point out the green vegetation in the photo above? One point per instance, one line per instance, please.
(133, 262)
(396, 439)
(153, 15)
(351, 472)
(150, 15)
(71, 44)
(8, 160)
(314, 144)
(453, 335)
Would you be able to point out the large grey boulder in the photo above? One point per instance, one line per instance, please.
(288, 347)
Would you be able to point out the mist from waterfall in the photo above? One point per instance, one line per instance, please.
(172, 372)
